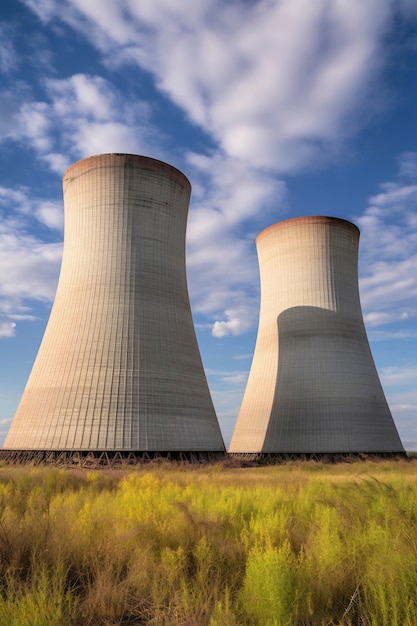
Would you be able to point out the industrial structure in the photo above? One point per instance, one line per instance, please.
(119, 372)
(313, 387)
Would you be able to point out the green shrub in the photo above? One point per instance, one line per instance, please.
(291, 545)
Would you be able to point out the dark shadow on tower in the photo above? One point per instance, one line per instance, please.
(313, 387)
(328, 396)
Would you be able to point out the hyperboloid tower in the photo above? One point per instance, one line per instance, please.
(313, 387)
(119, 370)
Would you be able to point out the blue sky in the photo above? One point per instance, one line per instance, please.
(272, 108)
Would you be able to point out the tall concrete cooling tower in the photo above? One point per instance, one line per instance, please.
(119, 369)
(313, 387)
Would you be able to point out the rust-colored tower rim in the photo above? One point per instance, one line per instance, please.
(83, 166)
(306, 221)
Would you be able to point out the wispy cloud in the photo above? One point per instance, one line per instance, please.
(399, 376)
(19, 203)
(277, 84)
(7, 329)
(29, 266)
(221, 263)
(389, 249)
(8, 56)
(399, 383)
(235, 323)
(227, 388)
(82, 115)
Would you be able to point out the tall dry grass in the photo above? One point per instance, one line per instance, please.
(297, 544)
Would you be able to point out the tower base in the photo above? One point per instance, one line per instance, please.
(105, 458)
(277, 458)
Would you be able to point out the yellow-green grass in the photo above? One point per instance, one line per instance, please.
(294, 544)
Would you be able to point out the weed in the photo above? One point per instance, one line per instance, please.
(290, 545)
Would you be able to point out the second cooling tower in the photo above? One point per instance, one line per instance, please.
(313, 386)
(119, 367)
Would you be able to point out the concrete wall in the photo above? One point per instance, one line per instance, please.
(313, 386)
(119, 366)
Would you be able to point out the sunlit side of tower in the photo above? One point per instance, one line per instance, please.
(119, 366)
(313, 386)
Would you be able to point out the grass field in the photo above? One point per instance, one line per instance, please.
(288, 545)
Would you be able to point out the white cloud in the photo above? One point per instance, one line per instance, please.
(50, 214)
(221, 264)
(238, 321)
(7, 329)
(389, 250)
(399, 376)
(4, 427)
(399, 383)
(8, 57)
(28, 272)
(243, 357)
(82, 95)
(10, 102)
(236, 379)
(233, 188)
(20, 202)
(408, 165)
(29, 267)
(82, 115)
(57, 162)
(15, 198)
(227, 192)
(44, 9)
(96, 118)
(394, 195)
(389, 289)
(277, 84)
(388, 334)
(35, 124)
(378, 318)
(227, 388)
(91, 138)
(110, 19)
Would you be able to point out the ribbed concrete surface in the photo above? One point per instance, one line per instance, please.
(313, 386)
(119, 367)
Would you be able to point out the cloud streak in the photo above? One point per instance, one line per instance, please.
(276, 84)
(389, 248)
(29, 266)
(82, 115)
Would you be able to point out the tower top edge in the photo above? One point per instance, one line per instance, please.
(117, 158)
(304, 221)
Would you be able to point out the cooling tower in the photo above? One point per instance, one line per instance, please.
(313, 387)
(119, 367)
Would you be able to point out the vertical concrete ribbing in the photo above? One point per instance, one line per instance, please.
(119, 366)
(313, 386)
